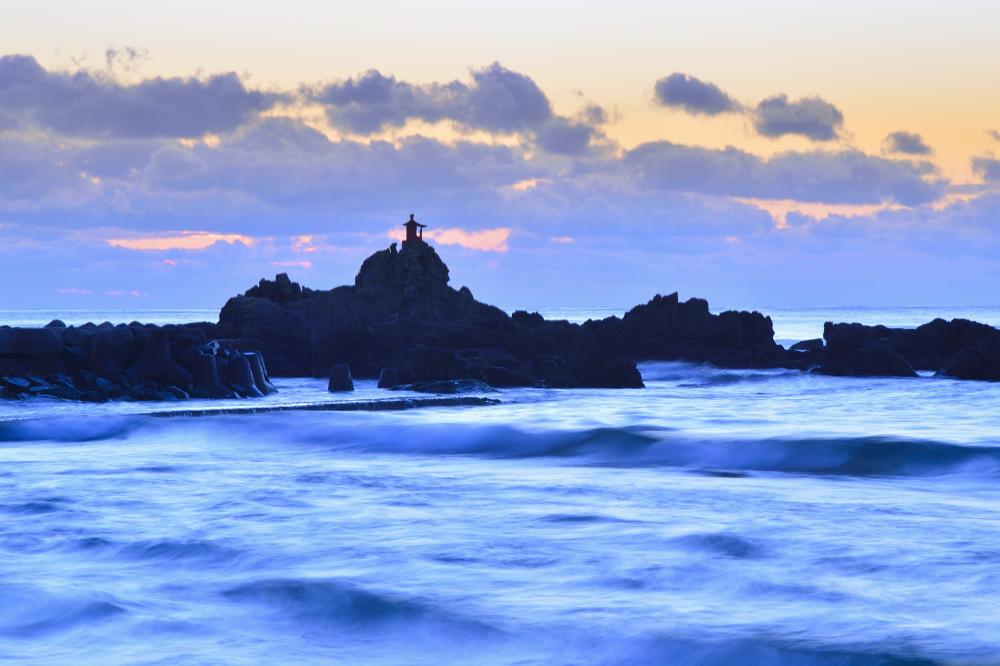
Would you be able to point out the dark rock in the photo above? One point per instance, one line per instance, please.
(239, 376)
(259, 372)
(15, 384)
(448, 386)
(388, 378)
(814, 345)
(206, 378)
(280, 290)
(55, 323)
(174, 393)
(928, 347)
(155, 363)
(340, 378)
(980, 362)
(876, 360)
(423, 364)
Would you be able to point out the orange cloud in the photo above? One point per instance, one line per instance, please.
(186, 240)
(303, 244)
(487, 240)
(779, 209)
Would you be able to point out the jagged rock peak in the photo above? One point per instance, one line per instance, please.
(417, 264)
(281, 289)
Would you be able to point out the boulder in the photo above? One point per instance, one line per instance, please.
(878, 359)
(259, 372)
(388, 378)
(340, 378)
(981, 361)
(155, 363)
(206, 378)
(239, 377)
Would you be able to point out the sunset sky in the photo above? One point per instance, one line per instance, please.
(757, 154)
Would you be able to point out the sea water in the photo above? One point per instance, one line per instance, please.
(714, 517)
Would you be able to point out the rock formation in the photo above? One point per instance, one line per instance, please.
(402, 321)
(133, 362)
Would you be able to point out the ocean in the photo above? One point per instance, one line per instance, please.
(714, 517)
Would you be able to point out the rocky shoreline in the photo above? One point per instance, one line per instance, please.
(401, 322)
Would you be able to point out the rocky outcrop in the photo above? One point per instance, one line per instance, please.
(401, 313)
(667, 329)
(980, 361)
(927, 347)
(959, 348)
(133, 362)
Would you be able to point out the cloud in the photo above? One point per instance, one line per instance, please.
(987, 168)
(810, 117)
(848, 176)
(185, 240)
(595, 114)
(565, 137)
(497, 100)
(85, 104)
(694, 96)
(906, 143)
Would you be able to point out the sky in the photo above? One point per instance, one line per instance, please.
(563, 154)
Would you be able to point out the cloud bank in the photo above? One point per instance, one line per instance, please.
(181, 188)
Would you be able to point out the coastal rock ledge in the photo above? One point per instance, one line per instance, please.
(401, 318)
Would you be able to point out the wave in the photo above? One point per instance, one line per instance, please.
(31, 613)
(617, 446)
(68, 429)
(336, 605)
(167, 550)
(761, 652)
(638, 447)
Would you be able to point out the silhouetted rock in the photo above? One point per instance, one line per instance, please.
(156, 365)
(259, 372)
(927, 347)
(448, 386)
(388, 378)
(340, 378)
(878, 359)
(96, 363)
(814, 345)
(981, 361)
(206, 378)
(239, 376)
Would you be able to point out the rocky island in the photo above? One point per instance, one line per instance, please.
(403, 323)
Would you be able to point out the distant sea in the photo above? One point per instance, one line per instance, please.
(715, 517)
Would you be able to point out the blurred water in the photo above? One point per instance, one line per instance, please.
(715, 517)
